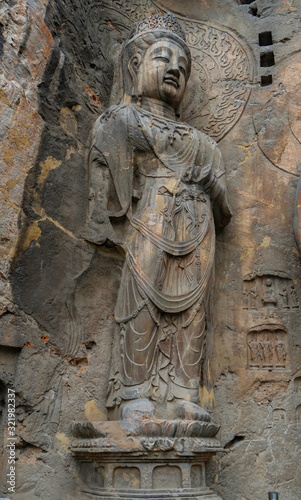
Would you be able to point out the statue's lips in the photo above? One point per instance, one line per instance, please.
(172, 81)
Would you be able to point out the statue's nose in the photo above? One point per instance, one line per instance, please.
(174, 69)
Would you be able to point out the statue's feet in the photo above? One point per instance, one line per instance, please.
(183, 410)
(140, 409)
(137, 409)
(191, 411)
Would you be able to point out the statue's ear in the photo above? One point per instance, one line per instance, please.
(133, 65)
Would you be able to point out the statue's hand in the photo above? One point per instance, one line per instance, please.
(189, 174)
(203, 176)
(209, 178)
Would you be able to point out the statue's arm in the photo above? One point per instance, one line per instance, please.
(210, 173)
(218, 194)
(217, 188)
(98, 228)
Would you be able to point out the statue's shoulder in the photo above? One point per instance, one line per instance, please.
(119, 113)
(207, 140)
(111, 122)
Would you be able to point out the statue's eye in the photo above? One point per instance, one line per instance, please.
(162, 58)
(182, 69)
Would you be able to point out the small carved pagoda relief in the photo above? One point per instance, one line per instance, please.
(165, 181)
(271, 291)
(267, 348)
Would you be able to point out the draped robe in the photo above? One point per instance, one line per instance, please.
(167, 179)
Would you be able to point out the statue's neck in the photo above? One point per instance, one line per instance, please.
(158, 108)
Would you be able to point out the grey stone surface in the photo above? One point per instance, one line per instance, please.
(58, 292)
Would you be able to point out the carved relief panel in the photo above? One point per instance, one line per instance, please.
(275, 292)
(223, 71)
(279, 416)
(268, 348)
(297, 386)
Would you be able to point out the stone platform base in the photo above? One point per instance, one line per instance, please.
(183, 494)
(143, 458)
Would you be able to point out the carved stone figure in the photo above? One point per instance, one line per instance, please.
(267, 350)
(245, 299)
(294, 297)
(280, 351)
(269, 297)
(164, 181)
(284, 295)
(256, 351)
(253, 296)
(279, 415)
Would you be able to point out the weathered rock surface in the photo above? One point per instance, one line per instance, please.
(58, 292)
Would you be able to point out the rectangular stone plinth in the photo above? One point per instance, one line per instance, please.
(117, 462)
(197, 494)
(148, 475)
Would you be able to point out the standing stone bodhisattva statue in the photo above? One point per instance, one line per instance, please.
(164, 181)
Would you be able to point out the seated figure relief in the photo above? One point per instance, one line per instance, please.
(157, 189)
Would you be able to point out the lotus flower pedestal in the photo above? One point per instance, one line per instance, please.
(141, 457)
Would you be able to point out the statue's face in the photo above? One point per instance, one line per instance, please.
(164, 72)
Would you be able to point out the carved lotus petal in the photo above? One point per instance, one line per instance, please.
(165, 444)
(86, 430)
(148, 443)
(210, 430)
(150, 428)
(194, 429)
(170, 428)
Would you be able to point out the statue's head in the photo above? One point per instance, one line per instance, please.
(156, 60)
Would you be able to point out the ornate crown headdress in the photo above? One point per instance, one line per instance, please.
(160, 27)
(168, 22)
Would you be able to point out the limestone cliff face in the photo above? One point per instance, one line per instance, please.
(60, 71)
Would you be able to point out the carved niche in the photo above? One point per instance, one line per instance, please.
(279, 416)
(297, 386)
(268, 348)
(298, 414)
(271, 290)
